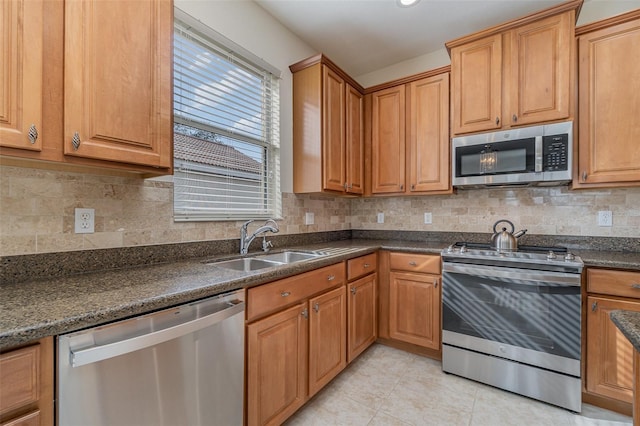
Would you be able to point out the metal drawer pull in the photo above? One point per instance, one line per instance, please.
(366, 265)
(331, 277)
(285, 293)
(316, 307)
(412, 263)
(635, 285)
(33, 134)
(515, 118)
(75, 141)
(353, 290)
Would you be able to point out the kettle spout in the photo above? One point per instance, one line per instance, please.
(520, 233)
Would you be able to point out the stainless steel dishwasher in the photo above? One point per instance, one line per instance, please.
(180, 366)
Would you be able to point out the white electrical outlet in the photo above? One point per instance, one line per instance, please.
(308, 218)
(380, 217)
(85, 221)
(605, 218)
(428, 218)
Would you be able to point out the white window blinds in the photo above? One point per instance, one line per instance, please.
(226, 128)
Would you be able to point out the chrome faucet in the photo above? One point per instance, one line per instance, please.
(269, 226)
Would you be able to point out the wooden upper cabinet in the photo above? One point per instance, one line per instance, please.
(541, 70)
(21, 68)
(476, 85)
(514, 74)
(609, 85)
(328, 129)
(117, 81)
(388, 140)
(428, 152)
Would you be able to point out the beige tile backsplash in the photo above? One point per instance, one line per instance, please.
(37, 212)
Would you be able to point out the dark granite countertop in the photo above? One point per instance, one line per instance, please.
(629, 323)
(37, 308)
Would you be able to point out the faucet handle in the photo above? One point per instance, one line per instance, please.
(266, 245)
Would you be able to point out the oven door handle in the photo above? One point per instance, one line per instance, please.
(511, 274)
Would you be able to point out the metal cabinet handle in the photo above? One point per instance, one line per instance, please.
(285, 293)
(435, 283)
(401, 187)
(497, 120)
(635, 285)
(584, 175)
(515, 118)
(353, 290)
(305, 313)
(366, 265)
(33, 134)
(331, 277)
(316, 307)
(75, 141)
(413, 186)
(412, 263)
(594, 306)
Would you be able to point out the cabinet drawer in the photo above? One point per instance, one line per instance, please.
(415, 262)
(19, 378)
(31, 419)
(615, 283)
(271, 297)
(361, 266)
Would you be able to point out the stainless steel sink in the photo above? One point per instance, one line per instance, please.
(290, 256)
(246, 264)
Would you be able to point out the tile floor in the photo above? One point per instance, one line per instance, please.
(386, 386)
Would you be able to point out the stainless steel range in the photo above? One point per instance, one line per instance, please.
(512, 319)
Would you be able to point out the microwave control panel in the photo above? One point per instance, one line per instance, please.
(555, 152)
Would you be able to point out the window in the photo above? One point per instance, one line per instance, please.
(226, 128)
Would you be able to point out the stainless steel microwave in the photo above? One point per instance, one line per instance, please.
(535, 155)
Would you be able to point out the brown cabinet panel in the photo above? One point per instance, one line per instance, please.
(354, 146)
(428, 155)
(31, 419)
(327, 338)
(333, 112)
(476, 85)
(414, 309)
(609, 370)
(361, 266)
(20, 378)
(609, 87)
(362, 319)
(413, 262)
(613, 282)
(388, 140)
(277, 366)
(21, 73)
(119, 104)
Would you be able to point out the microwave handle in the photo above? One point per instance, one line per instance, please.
(539, 150)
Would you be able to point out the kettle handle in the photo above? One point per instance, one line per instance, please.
(495, 231)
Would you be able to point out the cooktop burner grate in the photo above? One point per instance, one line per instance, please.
(521, 248)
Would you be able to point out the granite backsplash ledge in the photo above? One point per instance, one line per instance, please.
(20, 268)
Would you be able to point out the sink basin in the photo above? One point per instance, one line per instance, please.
(289, 256)
(246, 264)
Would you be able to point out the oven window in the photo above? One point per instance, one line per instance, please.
(537, 316)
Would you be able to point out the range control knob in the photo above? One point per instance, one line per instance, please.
(450, 249)
(463, 249)
(551, 255)
(569, 256)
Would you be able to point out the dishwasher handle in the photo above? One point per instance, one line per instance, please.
(99, 353)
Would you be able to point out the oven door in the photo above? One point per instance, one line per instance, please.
(525, 315)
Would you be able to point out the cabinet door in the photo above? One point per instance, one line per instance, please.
(540, 77)
(414, 309)
(476, 79)
(609, 353)
(428, 150)
(388, 140)
(117, 81)
(277, 366)
(333, 116)
(327, 337)
(21, 55)
(362, 315)
(609, 85)
(354, 122)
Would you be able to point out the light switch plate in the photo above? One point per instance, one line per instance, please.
(309, 218)
(380, 217)
(428, 218)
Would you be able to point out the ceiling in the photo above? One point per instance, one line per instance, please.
(363, 36)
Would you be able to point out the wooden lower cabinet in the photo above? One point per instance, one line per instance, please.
(26, 385)
(414, 309)
(609, 371)
(277, 366)
(327, 338)
(362, 315)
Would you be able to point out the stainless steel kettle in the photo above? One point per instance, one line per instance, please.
(505, 240)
